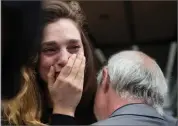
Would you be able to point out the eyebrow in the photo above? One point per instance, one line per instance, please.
(51, 43)
(73, 41)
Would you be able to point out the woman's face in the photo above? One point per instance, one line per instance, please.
(61, 39)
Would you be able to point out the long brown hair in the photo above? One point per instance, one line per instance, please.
(26, 107)
(23, 109)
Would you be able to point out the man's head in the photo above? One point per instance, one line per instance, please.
(129, 77)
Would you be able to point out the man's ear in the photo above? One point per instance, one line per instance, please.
(105, 80)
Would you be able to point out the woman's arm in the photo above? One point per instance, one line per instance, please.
(66, 90)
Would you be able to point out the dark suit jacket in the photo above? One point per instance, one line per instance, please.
(136, 115)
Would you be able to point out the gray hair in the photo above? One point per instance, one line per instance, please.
(133, 75)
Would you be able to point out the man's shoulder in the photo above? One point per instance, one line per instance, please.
(109, 121)
(131, 120)
(172, 121)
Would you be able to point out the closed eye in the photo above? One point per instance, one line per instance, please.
(73, 49)
(49, 51)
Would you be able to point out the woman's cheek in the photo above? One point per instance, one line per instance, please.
(45, 64)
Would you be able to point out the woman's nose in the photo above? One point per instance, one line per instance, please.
(62, 58)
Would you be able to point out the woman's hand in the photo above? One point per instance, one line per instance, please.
(66, 90)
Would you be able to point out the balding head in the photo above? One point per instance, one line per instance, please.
(137, 57)
(135, 75)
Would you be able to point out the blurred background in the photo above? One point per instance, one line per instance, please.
(148, 26)
(113, 26)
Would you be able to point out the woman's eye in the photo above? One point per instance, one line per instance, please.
(49, 50)
(73, 49)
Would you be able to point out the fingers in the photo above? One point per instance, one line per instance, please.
(67, 69)
(76, 66)
(80, 74)
(51, 78)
